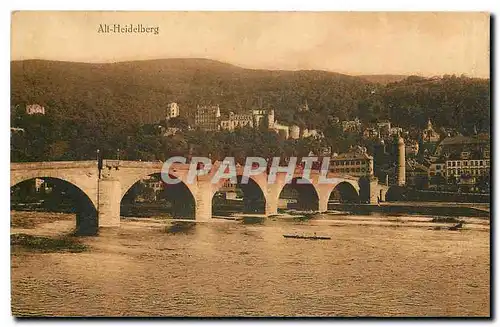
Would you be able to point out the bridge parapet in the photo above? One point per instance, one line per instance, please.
(52, 165)
(113, 163)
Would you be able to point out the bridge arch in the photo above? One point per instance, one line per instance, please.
(254, 197)
(305, 191)
(345, 191)
(180, 197)
(395, 193)
(85, 183)
(83, 204)
(131, 178)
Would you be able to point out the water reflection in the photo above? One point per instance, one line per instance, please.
(181, 227)
(236, 269)
(253, 220)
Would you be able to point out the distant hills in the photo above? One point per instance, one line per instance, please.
(139, 90)
(383, 79)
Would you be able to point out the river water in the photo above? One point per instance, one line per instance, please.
(370, 267)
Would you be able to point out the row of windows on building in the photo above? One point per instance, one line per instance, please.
(467, 163)
(155, 185)
(349, 170)
(349, 163)
(473, 172)
(478, 171)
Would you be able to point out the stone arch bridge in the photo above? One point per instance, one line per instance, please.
(106, 188)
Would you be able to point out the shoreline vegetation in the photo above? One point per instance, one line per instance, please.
(45, 244)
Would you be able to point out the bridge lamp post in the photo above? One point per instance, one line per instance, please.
(99, 166)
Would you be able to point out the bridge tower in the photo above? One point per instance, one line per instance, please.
(401, 162)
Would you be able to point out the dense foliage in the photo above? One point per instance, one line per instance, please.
(114, 106)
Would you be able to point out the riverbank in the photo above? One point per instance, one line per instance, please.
(418, 208)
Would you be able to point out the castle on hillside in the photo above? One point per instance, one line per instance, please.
(209, 118)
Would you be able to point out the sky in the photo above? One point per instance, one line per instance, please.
(425, 43)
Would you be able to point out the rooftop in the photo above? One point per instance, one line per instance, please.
(460, 139)
(353, 153)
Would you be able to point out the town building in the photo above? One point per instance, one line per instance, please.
(170, 131)
(469, 172)
(155, 184)
(384, 128)
(411, 148)
(437, 168)
(42, 186)
(371, 133)
(449, 132)
(395, 131)
(172, 111)
(16, 130)
(353, 126)
(228, 190)
(282, 130)
(305, 133)
(270, 119)
(355, 162)
(429, 135)
(35, 109)
(38, 184)
(473, 166)
(294, 132)
(207, 117)
(454, 146)
(416, 174)
(234, 121)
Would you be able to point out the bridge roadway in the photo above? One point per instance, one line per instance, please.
(105, 191)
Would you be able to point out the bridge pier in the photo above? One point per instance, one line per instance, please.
(272, 198)
(203, 203)
(323, 203)
(382, 193)
(377, 192)
(271, 207)
(109, 198)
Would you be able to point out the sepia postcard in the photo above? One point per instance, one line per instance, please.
(250, 164)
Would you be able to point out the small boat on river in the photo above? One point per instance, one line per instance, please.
(307, 237)
(456, 227)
